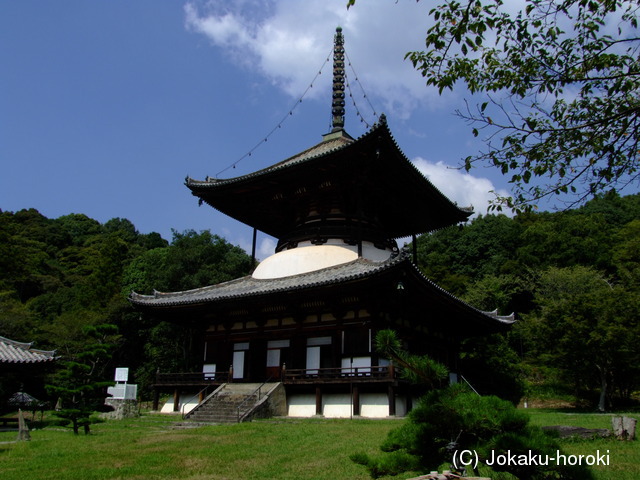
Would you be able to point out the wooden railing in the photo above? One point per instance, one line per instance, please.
(302, 375)
(251, 398)
(340, 375)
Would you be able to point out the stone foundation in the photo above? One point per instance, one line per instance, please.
(121, 408)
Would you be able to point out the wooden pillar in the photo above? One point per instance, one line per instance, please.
(392, 401)
(356, 400)
(156, 399)
(318, 401)
(253, 249)
(414, 244)
(176, 400)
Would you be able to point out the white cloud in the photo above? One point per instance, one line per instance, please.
(287, 41)
(461, 187)
(266, 248)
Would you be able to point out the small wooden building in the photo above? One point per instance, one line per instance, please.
(308, 314)
(22, 367)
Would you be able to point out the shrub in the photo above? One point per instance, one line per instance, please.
(455, 418)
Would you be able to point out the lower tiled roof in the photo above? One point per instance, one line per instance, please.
(248, 287)
(12, 352)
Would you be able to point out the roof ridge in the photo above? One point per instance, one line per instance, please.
(16, 343)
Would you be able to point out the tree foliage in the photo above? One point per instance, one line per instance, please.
(589, 328)
(573, 342)
(60, 277)
(416, 368)
(80, 384)
(561, 83)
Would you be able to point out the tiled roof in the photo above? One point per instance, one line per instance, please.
(328, 145)
(13, 352)
(267, 199)
(248, 286)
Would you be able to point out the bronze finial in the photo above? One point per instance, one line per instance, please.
(337, 106)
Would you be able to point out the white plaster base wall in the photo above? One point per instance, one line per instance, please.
(374, 405)
(301, 405)
(187, 403)
(336, 405)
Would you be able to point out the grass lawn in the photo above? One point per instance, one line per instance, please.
(151, 447)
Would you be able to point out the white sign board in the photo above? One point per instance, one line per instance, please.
(122, 374)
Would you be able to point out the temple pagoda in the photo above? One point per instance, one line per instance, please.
(308, 315)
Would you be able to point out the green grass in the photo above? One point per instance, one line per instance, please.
(152, 448)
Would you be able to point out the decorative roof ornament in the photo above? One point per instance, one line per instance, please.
(337, 106)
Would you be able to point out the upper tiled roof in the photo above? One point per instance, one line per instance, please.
(400, 200)
(17, 352)
(330, 143)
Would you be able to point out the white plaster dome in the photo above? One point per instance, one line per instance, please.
(307, 257)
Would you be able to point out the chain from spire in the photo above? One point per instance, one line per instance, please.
(280, 123)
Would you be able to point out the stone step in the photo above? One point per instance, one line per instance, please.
(223, 407)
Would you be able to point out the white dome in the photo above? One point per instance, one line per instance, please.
(308, 258)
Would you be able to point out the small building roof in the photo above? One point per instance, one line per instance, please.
(12, 352)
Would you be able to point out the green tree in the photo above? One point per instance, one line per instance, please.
(193, 260)
(416, 368)
(588, 327)
(626, 254)
(556, 85)
(565, 239)
(80, 385)
(454, 257)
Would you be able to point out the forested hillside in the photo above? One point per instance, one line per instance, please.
(61, 278)
(572, 278)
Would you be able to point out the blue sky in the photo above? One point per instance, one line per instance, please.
(106, 106)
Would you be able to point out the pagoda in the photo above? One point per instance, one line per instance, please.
(308, 315)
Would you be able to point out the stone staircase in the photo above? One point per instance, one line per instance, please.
(231, 403)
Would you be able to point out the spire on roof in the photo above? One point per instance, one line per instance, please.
(337, 106)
